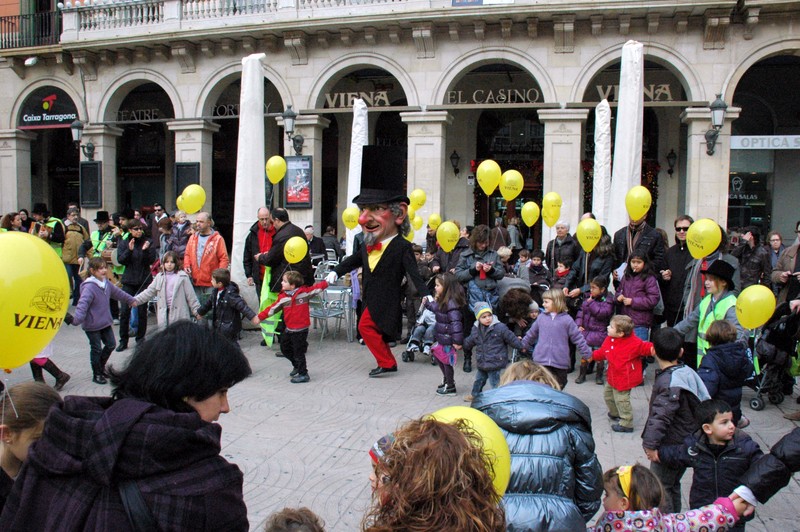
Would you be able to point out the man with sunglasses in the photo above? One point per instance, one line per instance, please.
(158, 214)
(672, 278)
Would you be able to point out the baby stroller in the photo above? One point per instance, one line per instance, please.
(774, 351)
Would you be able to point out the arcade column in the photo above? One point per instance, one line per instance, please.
(706, 188)
(427, 158)
(563, 147)
(194, 142)
(15, 170)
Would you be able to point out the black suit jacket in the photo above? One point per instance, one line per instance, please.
(381, 289)
(275, 259)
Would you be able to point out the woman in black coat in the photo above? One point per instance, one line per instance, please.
(137, 256)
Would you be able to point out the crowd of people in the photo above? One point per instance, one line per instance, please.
(525, 318)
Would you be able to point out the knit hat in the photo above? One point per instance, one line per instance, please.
(481, 307)
(381, 447)
(533, 307)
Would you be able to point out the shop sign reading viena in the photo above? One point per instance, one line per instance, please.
(654, 92)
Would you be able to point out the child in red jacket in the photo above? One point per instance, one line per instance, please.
(624, 352)
(293, 300)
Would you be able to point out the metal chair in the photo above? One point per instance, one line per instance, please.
(322, 308)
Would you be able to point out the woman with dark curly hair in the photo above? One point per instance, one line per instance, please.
(431, 475)
(150, 453)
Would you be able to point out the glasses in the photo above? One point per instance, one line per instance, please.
(682, 229)
(158, 209)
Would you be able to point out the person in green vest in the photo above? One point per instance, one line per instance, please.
(719, 303)
(48, 228)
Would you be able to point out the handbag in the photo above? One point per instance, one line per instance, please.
(136, 509)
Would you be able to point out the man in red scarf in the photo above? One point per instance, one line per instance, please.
(259, 240)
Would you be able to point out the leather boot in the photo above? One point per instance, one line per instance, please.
(582, 375)
(598, 376)
(36, 369)
(467, 364)
(61, 376)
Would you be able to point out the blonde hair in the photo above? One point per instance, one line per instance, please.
(557, 297)
(528, 370)
(504, 252)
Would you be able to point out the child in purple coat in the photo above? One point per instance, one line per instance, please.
(554, 330)
(94, 313)
(592, 320)
(638, 294)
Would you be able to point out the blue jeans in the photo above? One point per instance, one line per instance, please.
(72, 273)
(643, 333)
(101, 344)
(480, 380)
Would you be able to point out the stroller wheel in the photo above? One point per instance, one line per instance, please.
(410, 356)
(776, 398)
(757, 403)
(405, 356)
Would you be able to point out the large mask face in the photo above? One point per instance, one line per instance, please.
(378, 222)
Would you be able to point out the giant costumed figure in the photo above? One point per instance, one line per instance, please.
(386, 257)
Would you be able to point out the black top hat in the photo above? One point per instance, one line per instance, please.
(102, 217)
(40, 208)
(382, 176)
(723, 270)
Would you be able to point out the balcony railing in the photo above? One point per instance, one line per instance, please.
(121, 15)
(38, 29)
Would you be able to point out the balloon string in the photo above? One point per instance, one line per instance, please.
(3, 395)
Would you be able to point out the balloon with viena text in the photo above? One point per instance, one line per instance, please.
(488, 176)
(447, 235)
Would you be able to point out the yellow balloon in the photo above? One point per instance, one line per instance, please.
(276, 169)
(350, 217)
(589, 233)
(511, 184)
(434, 220)
(530, 213)
(193, 198)
(703, 238)
(179, 203)
(552, 200)
(35, 298)
(410, 236)
(411, 212)
(417, 198)
(494, 442)
(637, 202)
(755, 306)
(295, 249)
(447, 235)
(488, 175)
(550, 215)
(417, 222)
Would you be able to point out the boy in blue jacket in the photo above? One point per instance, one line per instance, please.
(719, 454)
(490, 339)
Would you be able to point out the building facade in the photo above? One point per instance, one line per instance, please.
(157, 83)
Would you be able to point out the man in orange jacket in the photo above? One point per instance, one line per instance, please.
(205, 252)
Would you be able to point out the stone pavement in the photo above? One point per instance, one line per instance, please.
(306, 444)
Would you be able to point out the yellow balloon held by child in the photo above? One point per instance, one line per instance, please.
(511, 184)
(703, 238)
(589, 233)
(418, 198)
(447, 235)
(350, 217)
(488, 176)
(35, 298)
(276, 169)
(530, 213)
(194, 197)
(494, 443)
(295, 249)
(637, 202)
(755, 306)
(434, 220)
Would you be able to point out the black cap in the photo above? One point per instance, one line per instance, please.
(40, 208)
(127, 213)
(723, 270)
(383, 174)
(102, 216)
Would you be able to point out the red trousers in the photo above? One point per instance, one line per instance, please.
(373, 338)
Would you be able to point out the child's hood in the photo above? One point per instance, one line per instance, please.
(732, 360)
(686, 378)
(92, 279)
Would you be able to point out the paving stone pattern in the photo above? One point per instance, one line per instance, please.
(306, 444)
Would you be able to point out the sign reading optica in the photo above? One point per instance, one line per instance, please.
(47, 107)
(765, 142)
